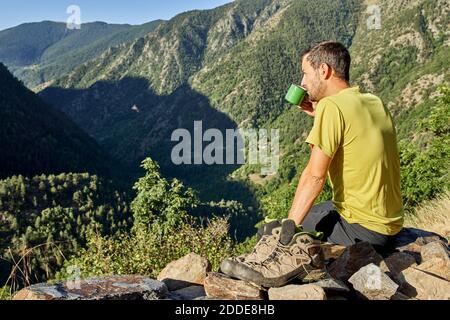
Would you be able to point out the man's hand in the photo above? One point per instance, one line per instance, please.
(308, 107)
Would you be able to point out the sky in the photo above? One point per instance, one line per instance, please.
(15, 12)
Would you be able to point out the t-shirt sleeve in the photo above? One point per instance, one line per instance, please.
(328, 129)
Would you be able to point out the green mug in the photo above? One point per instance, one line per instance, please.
(296, 95)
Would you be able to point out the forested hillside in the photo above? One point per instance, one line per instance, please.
(47, 218)
(35, 138)
(41, 52)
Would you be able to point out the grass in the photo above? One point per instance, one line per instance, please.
(6, 293)
(432, 215)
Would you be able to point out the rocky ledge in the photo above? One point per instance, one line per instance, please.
(415, 266)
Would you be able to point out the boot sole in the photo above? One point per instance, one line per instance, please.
(240, 271)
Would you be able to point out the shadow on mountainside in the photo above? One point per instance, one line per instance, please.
(130, 121)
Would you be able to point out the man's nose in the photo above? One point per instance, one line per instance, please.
(302, 83)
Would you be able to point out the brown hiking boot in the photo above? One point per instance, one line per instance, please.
(268, 229)
(269, 235)
(285, 263)
(263, 248)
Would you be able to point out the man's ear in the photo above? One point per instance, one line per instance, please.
(325, 71)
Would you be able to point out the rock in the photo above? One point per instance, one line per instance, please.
(412, 235)
(173, 284)
(332, 286)
(435, 249)
(218, 285)
(412, 240)
(206, 298)
(188, 293)
(332, 251)
(436, 266)
(354, 258)
(337, 298)
(185, 272)
(297, 292)
(423, 286)
(371, 282)
(400, 296)
(397, 262)
(314, 276)
(98, 288)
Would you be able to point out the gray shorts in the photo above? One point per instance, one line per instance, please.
(323, 217)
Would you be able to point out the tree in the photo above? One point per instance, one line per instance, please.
(35, 202)
(77, 197)
(160, 201)
(42, 186)
(22, 188)
(2, 188)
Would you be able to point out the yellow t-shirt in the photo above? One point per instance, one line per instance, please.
(357, 131)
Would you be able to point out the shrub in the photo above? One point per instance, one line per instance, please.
(163, 232)
(425, 164)
(148, 251)
(160, 201)
(5, 293)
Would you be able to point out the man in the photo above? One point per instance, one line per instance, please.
(353, 140)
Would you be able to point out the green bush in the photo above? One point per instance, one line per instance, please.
(159, 201)
(163, 232)
(425, 164)
(5, 293)
(148, 251)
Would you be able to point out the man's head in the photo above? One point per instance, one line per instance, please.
(324, 65)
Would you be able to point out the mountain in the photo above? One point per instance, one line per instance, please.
(406, 60)
(35, 138)
(231, 67)
(40, 52)
(235, 62)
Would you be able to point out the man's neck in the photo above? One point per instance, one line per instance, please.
(335, 87)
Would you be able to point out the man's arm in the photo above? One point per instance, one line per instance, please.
(310, 185)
